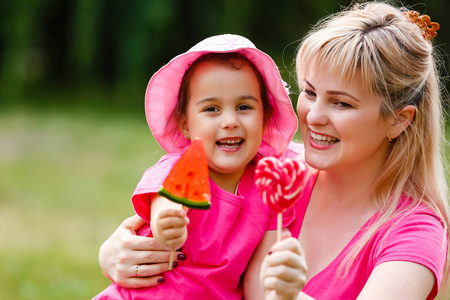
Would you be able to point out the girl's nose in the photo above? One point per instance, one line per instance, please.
(317, 114)
(230, 120)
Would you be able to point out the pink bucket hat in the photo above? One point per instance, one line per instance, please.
(162, 94)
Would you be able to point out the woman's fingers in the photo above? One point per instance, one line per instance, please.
(287, 258)
(134, 261)
(290, 244)
(147, 270)
(154, 257)
(140, 282)
(136, 242)
(133, 223)
(144, 279)
(286, 281)
(285, 269)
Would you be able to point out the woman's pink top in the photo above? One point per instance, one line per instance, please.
(415, 236)
(220, 240)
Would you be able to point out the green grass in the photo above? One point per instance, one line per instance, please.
(66, 177)
(65, 184)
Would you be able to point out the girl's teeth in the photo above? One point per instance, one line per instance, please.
(229, 143)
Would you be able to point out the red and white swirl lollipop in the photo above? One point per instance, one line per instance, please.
(279, 182)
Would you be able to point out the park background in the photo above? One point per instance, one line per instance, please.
(73, 137)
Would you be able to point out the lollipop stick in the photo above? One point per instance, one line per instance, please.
(279, 225)
(172, 255)
(172, 258)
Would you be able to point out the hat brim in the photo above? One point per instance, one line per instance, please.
(162, 95)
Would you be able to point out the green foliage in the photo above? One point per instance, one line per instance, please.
(66, 183)
(115, 46)
(74, 141)
(120, 44)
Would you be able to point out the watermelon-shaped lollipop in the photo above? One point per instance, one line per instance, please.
(188, 181)
(279, 183)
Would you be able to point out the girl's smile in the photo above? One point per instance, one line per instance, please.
(230, 144)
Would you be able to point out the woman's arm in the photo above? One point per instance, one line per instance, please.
(398, 280)
(124, 250)
(285, 268)
(252, 285)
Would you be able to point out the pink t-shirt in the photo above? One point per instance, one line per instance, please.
(220, 241)
(418, 237)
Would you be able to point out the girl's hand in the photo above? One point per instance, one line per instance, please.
(283, 272)
(120, 255)
(171, 227)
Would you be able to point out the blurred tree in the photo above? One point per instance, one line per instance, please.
(113, 47)
(22, 53)
(85, 30)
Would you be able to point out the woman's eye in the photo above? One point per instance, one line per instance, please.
(309, 93)
(343, 104)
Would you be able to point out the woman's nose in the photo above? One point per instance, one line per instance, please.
(317, 114)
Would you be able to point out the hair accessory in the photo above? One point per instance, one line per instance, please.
(424, 22)
(162, 95)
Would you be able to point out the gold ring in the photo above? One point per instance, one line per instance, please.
(138, 267)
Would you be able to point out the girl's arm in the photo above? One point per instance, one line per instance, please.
(168, 222)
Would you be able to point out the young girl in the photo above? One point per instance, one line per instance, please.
(231, 96)
(374, 219)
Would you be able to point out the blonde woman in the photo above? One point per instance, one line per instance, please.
(373, 221)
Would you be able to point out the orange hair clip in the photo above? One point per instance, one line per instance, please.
(424, 22)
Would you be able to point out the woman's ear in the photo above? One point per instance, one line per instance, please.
(403, 119)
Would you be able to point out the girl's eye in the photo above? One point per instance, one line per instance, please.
(244, 107)
(210, 109)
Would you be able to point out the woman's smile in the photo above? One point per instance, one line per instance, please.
(323, 140)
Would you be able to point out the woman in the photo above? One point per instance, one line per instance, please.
(373, 219)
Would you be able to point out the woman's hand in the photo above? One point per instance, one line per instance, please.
(283, 272)
(134, 261)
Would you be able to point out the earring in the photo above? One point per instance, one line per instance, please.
(187, 136)
(390, 138)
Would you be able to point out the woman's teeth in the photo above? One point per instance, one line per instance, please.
(323, 139)
(230, 143)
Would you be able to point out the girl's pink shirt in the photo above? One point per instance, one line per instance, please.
(220, 240)
(416, 236)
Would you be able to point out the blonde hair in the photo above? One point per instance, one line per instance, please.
(399, 65)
